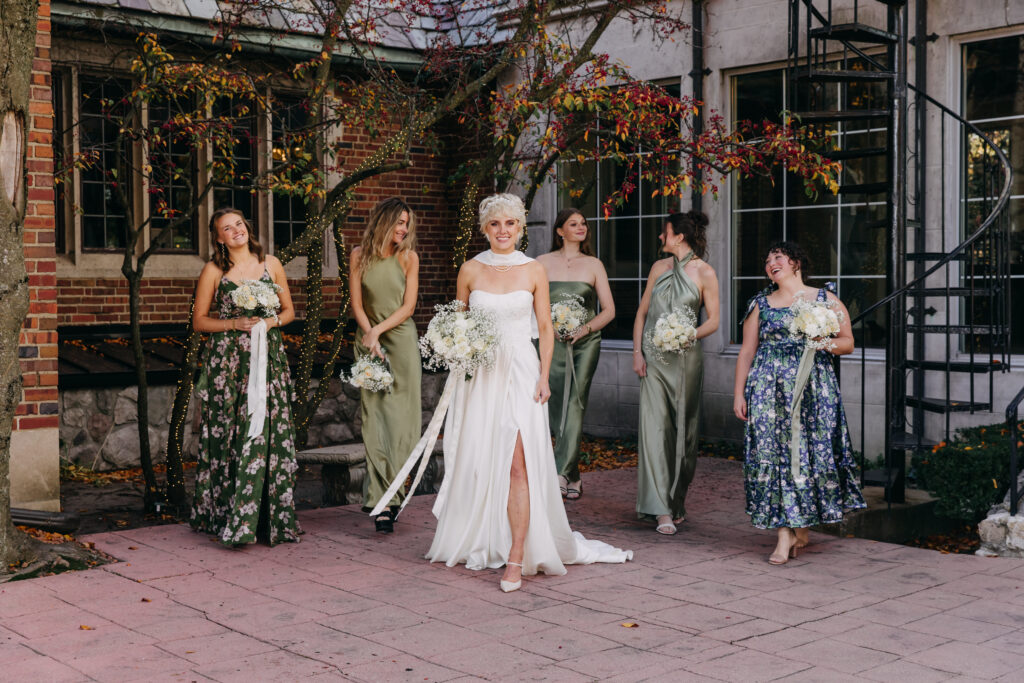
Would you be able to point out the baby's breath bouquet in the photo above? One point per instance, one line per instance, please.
(258, 298)
(814, 322)
(371, 373)
(673, 332)
(568, 315)
(459, 339)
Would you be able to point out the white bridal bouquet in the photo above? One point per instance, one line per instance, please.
(459, 339)
(673, 332)
(371, 373)
(568, 315)
(258, 298)
(815, 322)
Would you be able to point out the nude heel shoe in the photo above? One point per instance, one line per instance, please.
(509, 586)
(789, 554)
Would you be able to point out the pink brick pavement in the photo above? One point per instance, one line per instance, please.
(349, 604)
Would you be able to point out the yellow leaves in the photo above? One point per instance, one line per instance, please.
(629, 624)
(83, 627)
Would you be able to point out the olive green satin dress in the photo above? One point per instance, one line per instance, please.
(391, 420)
(669, 404)
(569, 390)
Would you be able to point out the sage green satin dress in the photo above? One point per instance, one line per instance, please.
(391, 420)
(669, 404)
(570, 386)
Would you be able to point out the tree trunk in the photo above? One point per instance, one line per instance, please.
(176, 494)
(17, 48)
(152, 492)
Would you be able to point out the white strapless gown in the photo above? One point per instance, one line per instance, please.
(480, 434)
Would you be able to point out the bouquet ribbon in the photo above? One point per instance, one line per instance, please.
(570, 378)
(257, 389)
(421, 453)
(803, 373)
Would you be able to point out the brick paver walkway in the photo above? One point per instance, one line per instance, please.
(348, 604)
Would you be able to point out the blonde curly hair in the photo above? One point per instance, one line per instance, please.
(504, 204)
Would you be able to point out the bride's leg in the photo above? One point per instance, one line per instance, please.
(518, 511)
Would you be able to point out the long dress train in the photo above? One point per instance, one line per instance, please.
(568, 406)
(244, 488)
(669, 404)
(486, 414)
(774, 498)
(391, 419)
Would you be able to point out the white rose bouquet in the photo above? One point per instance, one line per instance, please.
(814, 322)
(371, 373)
(258, 298)
(459, 339)
(673, 332)
(568, 315)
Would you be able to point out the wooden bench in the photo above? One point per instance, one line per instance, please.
(343, 468)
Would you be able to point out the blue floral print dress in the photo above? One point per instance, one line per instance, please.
(774, 499)
(244, 489)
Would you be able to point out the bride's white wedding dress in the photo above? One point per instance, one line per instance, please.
(485, 414)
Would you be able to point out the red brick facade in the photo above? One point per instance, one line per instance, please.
(38, 350)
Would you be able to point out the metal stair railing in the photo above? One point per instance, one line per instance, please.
(976, 270)
(1013, 423)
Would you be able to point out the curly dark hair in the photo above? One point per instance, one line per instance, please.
(693, 226)
(795, 253)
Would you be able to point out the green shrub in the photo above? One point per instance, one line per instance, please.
(969, 474)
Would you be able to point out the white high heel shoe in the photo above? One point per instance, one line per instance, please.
(509, 586)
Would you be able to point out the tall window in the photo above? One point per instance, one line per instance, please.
(57, 90)
(103, 215)
(173, 187)
(289, 116)
(242, 114)
(838, 233)
(993, 100)
(627, 241)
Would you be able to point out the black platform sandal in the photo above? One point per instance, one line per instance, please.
(385, 522)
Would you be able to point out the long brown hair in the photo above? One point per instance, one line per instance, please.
(380, 230)
(693, 226)
(564, 215)
(221, 256)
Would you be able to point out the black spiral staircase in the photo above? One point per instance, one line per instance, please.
(944, 321)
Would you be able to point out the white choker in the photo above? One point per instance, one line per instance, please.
(515, 258)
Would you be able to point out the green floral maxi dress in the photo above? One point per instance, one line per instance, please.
(244, 489)
(669, 404)
(391, 419)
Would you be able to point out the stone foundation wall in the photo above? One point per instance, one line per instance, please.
(99, 427)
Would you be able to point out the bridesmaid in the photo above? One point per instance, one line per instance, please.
(245, 486)
(766, 371)
(573, 270)
(384, 280)
(670, 388)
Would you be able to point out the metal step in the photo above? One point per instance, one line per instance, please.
(864, 188)
(884, 477)
(907, 441)
(855, 33)
(953, 291)
(863, 153)
(939, 405)
(956, 329)
(954, 366)
(844, 75)
(935, 256)
(835, 115)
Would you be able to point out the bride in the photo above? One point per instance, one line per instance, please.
(499, 504)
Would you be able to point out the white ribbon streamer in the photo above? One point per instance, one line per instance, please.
(803, 373)
(257, 389)
(422, 452)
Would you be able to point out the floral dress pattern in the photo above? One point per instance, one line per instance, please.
(774, 499)
(244, 489)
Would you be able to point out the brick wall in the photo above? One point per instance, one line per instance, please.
(38, 348)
